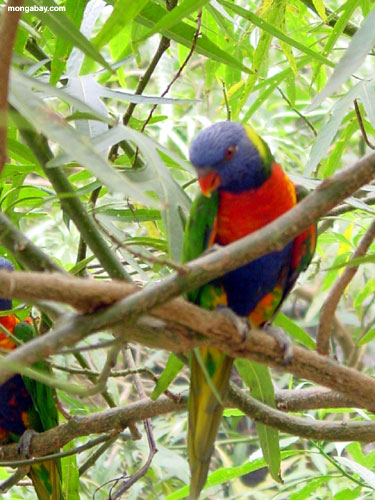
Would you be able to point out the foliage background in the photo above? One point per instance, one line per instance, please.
(272, 58)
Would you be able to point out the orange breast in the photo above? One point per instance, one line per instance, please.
(9, 322)
(244, 213)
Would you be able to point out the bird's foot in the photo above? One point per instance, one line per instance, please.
(25, 442)
(283, 341)
(242, 324)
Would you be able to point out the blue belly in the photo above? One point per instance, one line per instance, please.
(14, 400)
(246, 286)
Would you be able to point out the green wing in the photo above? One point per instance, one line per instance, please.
(45, 476)
(41, 395)
(198, 230)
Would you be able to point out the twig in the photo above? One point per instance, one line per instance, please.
(229, 113)
(119, 418)
(331, 302)
(298, 112)
(150, 437)
(97, 453)
(361, 125)
(182, 67)
(118, 373)
(150, 258)
(14, 479)
(24, 250)
(8, 30)
(53, 456)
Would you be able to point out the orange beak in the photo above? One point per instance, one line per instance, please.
(209, 182)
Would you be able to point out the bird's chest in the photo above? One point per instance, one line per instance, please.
(243, 213)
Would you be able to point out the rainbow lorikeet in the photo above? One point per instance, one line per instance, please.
(26, 404)
(243, 189)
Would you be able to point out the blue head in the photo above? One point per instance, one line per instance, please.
(5, 304)
(231, 157)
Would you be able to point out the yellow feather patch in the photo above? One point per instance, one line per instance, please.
(261, 146)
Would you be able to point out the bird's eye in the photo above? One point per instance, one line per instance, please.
(229, 152)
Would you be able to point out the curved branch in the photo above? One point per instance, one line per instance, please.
(119, 418)
(338, 288)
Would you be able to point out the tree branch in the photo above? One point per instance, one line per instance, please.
(338, 288)
(119, 418)
(8, 30)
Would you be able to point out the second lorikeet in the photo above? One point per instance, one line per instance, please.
(26, 404)
(243, 189)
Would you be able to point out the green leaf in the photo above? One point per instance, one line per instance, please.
(328, 132)
(360, 45)
(258, 379)
(367, 290)
(172, 368)
(272, 30)
(154, 177)
(337, 30)
(348, 494)
(184, 33)
(176, 15)
(70, 474)
(124, 11)
(74, 9)
(369, 335)
(366, 474)
(306, 492)
(62, 26)
(321, 10)
(294, 330)
(59, 131)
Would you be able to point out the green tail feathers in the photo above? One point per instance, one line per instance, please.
(208, 388)
(46, 480)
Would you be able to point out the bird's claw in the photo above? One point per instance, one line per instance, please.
(25, 442)
(283, 341)
(242, 324)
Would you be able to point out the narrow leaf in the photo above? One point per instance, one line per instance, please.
(184, 33)
(124, 11)
(258, 21)
(360, 45)
(294, 330)
(176, 15)
(258, 379)
(172, 368)
(62, 26)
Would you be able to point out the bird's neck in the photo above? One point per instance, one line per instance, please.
(243, 213)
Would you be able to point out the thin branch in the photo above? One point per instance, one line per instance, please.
(298, 112)
(23, 249)
(148, 258)
(119, 418)
(361, 125)
(15, 478)
(182, 67)
(114, 419)
(62, 454)
(8, 30)
(95, 456)
(338, 288)
(150, 437)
